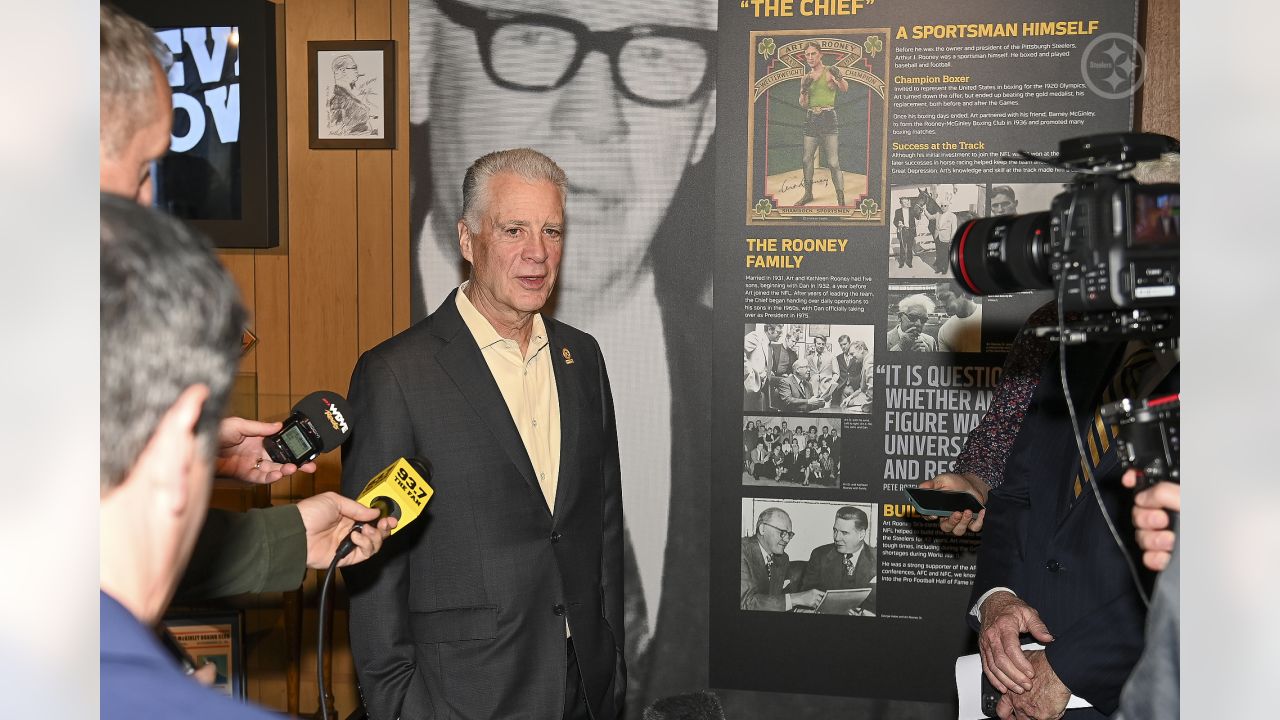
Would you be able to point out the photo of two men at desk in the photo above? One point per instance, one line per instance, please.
(839, 577)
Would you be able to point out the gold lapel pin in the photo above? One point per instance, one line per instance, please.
(568, 358)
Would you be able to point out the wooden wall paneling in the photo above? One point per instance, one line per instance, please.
(401, 232)
(322, 286)
(1159, 101)
(322, 230)
(376, 206)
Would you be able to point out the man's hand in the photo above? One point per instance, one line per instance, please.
(960, 522)
(1004, 617)
(206, 674)
(1151, 518)
(242, 456)
(1046, 700)
(328, 518)
(809, 598)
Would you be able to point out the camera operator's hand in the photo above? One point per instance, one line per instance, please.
(1151, 509)
(242, 456)
(1004, 617)
(960, 522)
(1047, 699)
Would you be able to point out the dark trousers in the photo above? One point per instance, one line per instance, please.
(906, 245)
(575, 700)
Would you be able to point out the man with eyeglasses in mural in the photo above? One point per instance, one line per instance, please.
(622, 96)
(765, 564)
(909, 335)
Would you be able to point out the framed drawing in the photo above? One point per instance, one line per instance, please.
(353, 94)
(216, 637)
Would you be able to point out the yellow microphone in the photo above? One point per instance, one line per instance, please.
(400, 491)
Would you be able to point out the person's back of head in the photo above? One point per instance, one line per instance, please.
(171, 318)
(129, 55)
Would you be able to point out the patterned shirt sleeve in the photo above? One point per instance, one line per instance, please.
(986, 450)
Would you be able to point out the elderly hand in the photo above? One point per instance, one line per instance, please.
(1046, 700)
(329, 517)
(1004, 617)
(1151, 509)
(810, 598)
(242, 456)
(960, 522)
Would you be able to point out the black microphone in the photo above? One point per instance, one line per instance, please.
(318, 424)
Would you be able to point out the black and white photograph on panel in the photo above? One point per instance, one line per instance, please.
(925, 219)
(913, 318)
(794, 368)
(808, 556)
(791, 451)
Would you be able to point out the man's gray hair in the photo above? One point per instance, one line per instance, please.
(769, 515)
(917, 299)
(171, 318)
(525, 163)
(131, 53)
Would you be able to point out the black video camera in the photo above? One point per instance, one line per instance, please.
(1148, 436)
(1108, 244)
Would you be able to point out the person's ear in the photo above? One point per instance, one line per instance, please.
(166, 461)
(464, 241)
(706, 126)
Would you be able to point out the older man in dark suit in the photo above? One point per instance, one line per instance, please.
(764, 566)
(849, 562)
(507, 601)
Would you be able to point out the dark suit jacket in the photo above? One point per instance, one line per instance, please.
(758, 590)
(789, 393)
(462, 615)
(825, 571)
(1056, 553)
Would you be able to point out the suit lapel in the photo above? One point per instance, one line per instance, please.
(569, 380)
(462, 360)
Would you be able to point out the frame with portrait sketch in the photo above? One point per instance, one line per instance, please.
(352, 94)
(776, 126)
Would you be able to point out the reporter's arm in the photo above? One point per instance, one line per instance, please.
(261, 550)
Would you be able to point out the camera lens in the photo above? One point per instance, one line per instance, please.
(1005, 254)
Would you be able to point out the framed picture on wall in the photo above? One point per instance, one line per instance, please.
(353, 94)
(221, 170)
(216, 637)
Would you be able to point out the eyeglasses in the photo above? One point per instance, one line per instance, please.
(916, 318)
(659, 65)
(785, 534)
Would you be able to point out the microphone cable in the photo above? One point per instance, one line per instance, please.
(322, 611)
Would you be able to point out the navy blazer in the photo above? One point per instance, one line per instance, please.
(462, 615)
(1056, 552)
